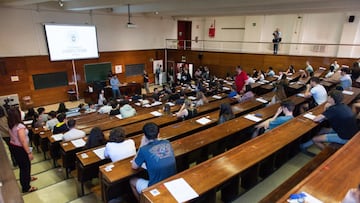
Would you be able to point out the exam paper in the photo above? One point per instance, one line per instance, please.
(261, 100)
(58, 137)
(203, 121)
(100, 152)
(347, 92)
(119, 116)
(226, 88)
(309, 116)
(170, 104)
(300, 95)
(78, 143)
(191, 98)
(28, 122)
(181, 190)
(253, 118)
(156, 113)
(216, 97)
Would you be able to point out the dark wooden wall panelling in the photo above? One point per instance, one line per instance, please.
(221, 63)
(25, 67)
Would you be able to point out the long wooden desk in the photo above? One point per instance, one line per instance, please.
(122, 170)
(232, 164)
(331, 180)
(170, 132)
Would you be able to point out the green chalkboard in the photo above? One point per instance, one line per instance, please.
(48, 80)
(134, 69)
(97, 71)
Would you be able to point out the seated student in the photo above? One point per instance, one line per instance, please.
(158, 156)
(286, 107)
(118, 147)
(341, 119)
(200, 99)
(73, 133)
(270, 72)
(127, 111)
(260, 77)
(91, 108)
(345, 79)
(61, 127)
(331, 72)
(290, 70)
(185, 109)
(53, 121)
(43, 117)
(185, 77)
(95, 139)
(30, 114)
(280, 90)
(37, 123)
(81, 108)
(255, 73)
(316, 91)
(225, 113)
(101, 99)
(198, 73)
(105, 109)
(309, 69)
(62, 108)
(247, 96)
(156, 94)
(115, 110)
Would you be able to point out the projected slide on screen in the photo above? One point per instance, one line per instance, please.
(67, 42)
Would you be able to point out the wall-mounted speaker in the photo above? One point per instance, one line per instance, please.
(351, 19)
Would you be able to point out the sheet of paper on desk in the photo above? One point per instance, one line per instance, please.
(147, 105)
(100, 152)
(216, 97)
(261, 82)
(157, 103)
(58, 137)
(347, 92)
(191, 98)
(226, 88)
(156, 113)
(300, 95)
(261, 100)
(203, 121)
(138, 104)
(181, 190)
(309, 116)
(28, 122)
(170, 104)
(253, 117)
(78, 143)
(265, 81)
(308, 199)
(119, 116)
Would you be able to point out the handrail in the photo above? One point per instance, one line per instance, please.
(251, 42)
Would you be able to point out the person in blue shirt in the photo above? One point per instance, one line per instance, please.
(114, 82)
(345, 79)
(158, 157)
(286, 107)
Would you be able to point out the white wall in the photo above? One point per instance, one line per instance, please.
(322, 28)
(22, 33)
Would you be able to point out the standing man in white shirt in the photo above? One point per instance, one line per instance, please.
(73, 133)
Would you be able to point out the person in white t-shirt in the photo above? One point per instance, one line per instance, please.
(53, 121)
(316, 91)
(118, 147)
(73, 133)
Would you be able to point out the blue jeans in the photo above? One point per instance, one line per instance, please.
(116, 93)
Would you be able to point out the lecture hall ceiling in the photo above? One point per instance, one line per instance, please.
(181, 8)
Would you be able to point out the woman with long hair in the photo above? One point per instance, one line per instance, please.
(19, 143)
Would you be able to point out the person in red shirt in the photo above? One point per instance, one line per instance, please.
(240, 79)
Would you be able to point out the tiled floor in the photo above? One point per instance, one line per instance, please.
(54, 188)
